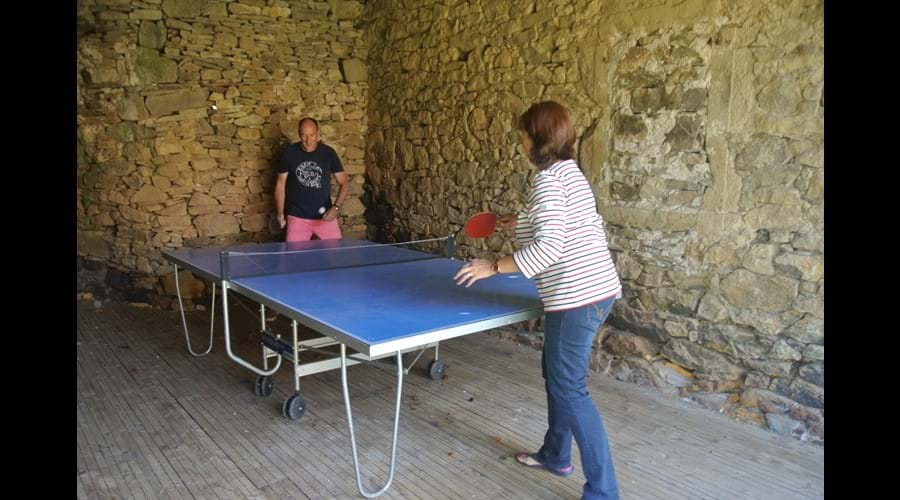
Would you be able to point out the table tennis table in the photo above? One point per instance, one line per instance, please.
(378, 300)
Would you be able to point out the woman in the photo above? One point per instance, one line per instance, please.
(562, 245)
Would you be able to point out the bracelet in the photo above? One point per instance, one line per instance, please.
(496, 267)
(337, 207)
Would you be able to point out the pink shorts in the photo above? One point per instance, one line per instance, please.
(303, 229)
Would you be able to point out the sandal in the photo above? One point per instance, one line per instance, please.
(564, 472)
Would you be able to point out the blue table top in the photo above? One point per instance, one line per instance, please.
(376, 300)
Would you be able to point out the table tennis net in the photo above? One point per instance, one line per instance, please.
(243, 264)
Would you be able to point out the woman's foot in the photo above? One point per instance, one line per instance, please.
(529, 460)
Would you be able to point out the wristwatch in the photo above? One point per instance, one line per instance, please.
(337, 207)
(496, 267)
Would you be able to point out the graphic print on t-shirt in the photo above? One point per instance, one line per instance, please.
(309, 174)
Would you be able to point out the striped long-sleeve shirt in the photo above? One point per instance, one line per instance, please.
(562, 241)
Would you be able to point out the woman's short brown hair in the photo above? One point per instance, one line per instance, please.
(551, 131)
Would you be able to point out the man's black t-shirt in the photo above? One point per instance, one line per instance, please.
(309, 179)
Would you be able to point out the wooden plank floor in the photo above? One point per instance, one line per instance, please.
(155, 422)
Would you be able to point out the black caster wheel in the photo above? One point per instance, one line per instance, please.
(437, 369)
(294, 407)
(264, 385)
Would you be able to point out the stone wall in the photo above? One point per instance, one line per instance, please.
(182, 105)
(701, 128)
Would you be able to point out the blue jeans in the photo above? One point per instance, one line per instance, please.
(568, 339)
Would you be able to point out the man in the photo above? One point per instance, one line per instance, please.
(303, 188)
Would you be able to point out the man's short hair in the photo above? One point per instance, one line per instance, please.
(300, 123)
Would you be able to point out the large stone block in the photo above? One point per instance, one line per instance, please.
(131, 107)
(809, 330)
(770, 367)
(752, 291)
(347, 9)
(181, 100)
(150, 68)
(685, 135)
(698, 358)
(152, 35)
(760, 259)
(93, 244)
(216, 224)
(802, 391)
(814, 372)
(149, 195)
(352, 207)
(254, 223)
(734, 341)
(806, 267)
(184, 8)
(627, 344)
(353, 70)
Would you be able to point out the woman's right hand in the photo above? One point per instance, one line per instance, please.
(508, 221)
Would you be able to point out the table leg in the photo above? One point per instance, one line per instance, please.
(359, 486)
(212, 318)
(231, 354)
(296, 358)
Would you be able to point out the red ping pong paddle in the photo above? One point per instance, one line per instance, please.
(481, 225)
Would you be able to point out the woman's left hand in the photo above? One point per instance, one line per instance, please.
(473, 271)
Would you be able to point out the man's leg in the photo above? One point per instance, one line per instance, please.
(299, 229)
(327, 229)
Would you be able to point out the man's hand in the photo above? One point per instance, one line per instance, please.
(331, 214)
(281, 221)
(508, 221)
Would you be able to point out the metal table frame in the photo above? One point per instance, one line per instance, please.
(275, 347)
